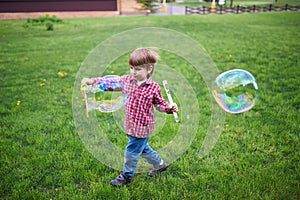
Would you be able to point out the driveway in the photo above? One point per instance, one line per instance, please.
(172, 9)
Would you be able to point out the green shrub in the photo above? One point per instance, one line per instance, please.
(148, 5)
(49, 26)
(46, 20)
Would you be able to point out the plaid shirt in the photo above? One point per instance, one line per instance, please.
(139, 113)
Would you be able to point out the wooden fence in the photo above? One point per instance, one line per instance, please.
(240, 9)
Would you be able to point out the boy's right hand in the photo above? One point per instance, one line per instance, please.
(87, 81)
(173, 107)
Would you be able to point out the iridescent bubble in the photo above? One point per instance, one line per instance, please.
(236, 91)
(106, 96)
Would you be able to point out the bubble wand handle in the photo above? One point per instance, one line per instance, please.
(84, 90)
(165, 84)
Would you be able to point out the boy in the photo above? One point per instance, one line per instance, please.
(139, 121)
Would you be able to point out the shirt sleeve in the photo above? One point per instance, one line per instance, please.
(160, 103)
(97, 80)
(109, 84)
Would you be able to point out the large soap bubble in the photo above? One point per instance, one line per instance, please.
(236, 91)
(106, 96)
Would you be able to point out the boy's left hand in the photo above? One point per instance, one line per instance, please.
(173, 107)
(87, 81)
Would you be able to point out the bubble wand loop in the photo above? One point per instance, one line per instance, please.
(109, 83)
(165, 84)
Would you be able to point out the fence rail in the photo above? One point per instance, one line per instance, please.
(240, 9)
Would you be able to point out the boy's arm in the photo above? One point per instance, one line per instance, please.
(162, 105)
(98, 80)
(92, 81)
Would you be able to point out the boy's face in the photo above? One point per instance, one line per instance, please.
(140, 73)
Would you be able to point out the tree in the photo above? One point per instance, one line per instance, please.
(148, 5)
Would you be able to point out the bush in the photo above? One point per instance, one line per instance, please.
(148, 5)
(46, 20)
(49, 26)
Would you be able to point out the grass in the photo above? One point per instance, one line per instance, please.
(256, 157)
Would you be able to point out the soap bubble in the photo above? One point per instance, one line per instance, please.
(106, 96)
(111, 83)
(236, 91)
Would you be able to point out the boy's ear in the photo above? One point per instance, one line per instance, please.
(150, 69)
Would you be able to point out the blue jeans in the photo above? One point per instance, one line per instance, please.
(135, 148)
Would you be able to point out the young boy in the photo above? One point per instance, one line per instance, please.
(139, 122)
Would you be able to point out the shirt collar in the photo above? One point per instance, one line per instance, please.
(147, 82)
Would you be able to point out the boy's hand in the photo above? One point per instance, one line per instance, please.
(87, 81)
(173, 107)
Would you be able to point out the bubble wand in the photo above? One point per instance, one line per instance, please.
(165, 84)
(84, 90)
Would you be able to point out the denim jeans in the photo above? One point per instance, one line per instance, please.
(135, 148)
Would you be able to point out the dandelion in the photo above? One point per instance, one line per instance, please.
(18, 103)
(62, 74)
(43, 83)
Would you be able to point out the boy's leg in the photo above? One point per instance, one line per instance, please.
(153, 158)
(133, 151)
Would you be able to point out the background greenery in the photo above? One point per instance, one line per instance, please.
(256, 157)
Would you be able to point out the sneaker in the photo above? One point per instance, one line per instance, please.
(158, 169)
(120, 180)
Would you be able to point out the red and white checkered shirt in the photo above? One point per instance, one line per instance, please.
(139, 113)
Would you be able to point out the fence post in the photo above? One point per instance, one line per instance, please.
(286, 7)
(237, 9)
(187, 10)
(270, 7)
(199, 10)
(254, 8)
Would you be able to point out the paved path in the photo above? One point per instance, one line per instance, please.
(172, 9)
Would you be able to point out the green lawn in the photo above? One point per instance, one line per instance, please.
(256, 157)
